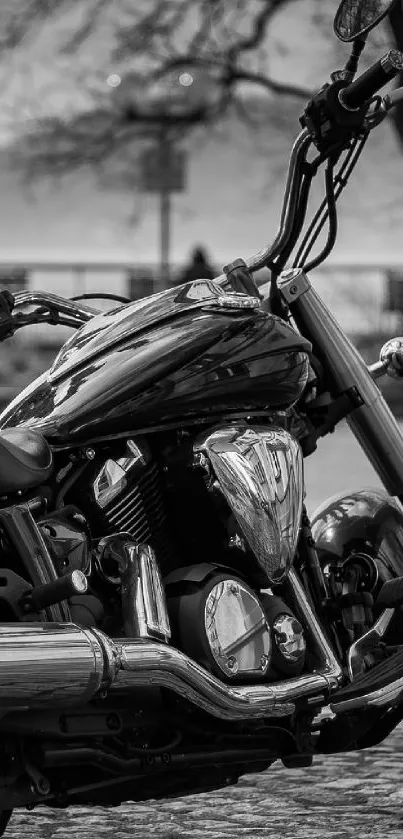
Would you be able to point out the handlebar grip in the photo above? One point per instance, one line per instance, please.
(356, 93)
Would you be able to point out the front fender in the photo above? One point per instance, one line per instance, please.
(367, 522)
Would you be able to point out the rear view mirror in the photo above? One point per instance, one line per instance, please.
(355, 18)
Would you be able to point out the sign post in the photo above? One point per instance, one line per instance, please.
(162, 170)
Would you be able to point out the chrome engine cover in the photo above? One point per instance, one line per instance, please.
(260, 473)
(237, 630)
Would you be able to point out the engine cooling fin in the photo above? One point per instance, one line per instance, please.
(140, 512)
(124, 493)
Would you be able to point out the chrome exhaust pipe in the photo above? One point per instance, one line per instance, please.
(48, 665)
(52, 664)
(148, 664)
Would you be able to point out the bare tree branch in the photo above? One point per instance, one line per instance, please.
(150, 43)
(260, 27)
(280, 88)
(19, 18)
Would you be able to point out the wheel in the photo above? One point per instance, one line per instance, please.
(5, 816)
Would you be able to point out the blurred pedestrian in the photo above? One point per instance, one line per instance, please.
(198, 268)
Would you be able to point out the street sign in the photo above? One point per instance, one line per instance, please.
(163, 169)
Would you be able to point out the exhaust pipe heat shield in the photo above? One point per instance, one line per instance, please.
(46, 664)
(260, 473)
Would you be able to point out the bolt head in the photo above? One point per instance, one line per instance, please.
(264, 661)
(232, 664)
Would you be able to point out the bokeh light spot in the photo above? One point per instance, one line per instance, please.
(186, 79)
(113, 80)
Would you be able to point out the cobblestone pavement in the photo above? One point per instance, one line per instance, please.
(355, 795)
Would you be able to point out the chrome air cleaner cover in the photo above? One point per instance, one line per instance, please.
(260, 473)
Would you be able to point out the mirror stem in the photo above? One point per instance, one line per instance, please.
(352, 63)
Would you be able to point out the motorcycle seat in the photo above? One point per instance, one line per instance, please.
(26, 459)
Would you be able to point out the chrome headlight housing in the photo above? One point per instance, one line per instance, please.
(260, 473)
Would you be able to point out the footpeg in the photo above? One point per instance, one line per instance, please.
(381, 686)
(40, 597)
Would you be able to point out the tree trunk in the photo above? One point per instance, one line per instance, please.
(396, 22)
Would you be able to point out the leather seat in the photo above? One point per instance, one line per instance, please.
(26, 459)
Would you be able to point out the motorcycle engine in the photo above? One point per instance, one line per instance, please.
(216, 617)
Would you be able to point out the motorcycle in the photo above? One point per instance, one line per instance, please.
(170, 616)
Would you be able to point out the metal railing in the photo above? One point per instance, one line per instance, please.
(135, 279)
(356, 292)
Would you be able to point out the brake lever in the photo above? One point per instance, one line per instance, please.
(386, 103)
(375, 117)
(391, 99)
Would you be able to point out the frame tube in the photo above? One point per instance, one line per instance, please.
(373, 423)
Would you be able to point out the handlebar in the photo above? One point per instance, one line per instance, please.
(355, 94)
(53, 301)
(351, 98)
(287, 220)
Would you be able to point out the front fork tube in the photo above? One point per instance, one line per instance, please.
(372, 423)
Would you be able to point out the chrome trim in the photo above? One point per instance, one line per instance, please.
(79, 581)
(59, 665)
(146, 596)
(260, 473)
(377, 370)
(144, 609)
(112, 479)
(366, 643)
(237, 630)
(145, 664)
(110, 482)
(233, 300)
(111, 658)
(392, 62)
(43, 298)
(381, 698)
(391, 357)
(289, 637)
(331, 669)
(49, 664)
(294, 283)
